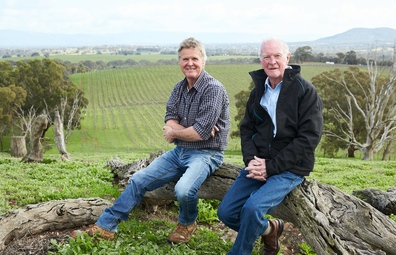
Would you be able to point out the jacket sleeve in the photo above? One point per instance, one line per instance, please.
(247, 131)
(310, 124)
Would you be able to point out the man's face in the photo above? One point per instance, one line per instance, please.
(191, 63)
(274, 61)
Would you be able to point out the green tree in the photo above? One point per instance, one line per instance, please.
(333, 95)
(101, 64)
(351, 58)
(241, 100)
(340, 57)
(92, 65)
(45, 85)
(369, 96)
(303, 53)
(10, 97)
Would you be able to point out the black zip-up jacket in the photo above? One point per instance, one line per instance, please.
(299, 125)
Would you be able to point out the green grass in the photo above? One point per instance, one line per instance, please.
(22, 184)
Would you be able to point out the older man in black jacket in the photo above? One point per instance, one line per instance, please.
(279, 133)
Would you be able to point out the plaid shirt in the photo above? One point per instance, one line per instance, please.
(204, 106)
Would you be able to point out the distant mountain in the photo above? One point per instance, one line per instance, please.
(13, 38)
(19, 39)
(362, 36)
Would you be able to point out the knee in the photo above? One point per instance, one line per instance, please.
(225, 215)
(182, 193)
(250, 210)
(222, 213)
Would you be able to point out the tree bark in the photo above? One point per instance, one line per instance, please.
(18, 146)
(351, 151)
(35, 152)
(332, 221)
(59, 137)
(49, 216)
(384, 202)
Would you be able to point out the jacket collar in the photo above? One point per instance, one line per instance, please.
(259, 76)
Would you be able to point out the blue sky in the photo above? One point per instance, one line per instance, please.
(301, 20)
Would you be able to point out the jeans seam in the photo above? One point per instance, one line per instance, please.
(137, 193)
(263, 215)
(192, 184)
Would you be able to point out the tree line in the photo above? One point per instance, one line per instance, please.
(305, 54)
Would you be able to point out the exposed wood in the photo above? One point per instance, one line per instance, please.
(385, 202)
(53, 215)
(59, 137)
(332, 221)
(18, 146)
(35, 152)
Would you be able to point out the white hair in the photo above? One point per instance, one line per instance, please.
(274, 39)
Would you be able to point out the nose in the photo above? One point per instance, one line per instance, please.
(272, 61)
(190, 62)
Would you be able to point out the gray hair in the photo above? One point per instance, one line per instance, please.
(274, 39)
(192, 43)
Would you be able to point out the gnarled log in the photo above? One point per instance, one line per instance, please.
(35, 152)
(332, 221)
(53, 215)
(385, 202)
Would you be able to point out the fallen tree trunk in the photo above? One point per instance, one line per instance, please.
(385, 202)
(332, 221)
(53, 215)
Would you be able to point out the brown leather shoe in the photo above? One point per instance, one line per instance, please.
(182, 234)
(94, 229)
(271, 241)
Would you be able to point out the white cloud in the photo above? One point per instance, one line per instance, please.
(251, 16)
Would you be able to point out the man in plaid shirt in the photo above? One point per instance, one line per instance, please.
(197, 122)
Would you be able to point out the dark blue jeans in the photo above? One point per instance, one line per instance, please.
(247, 202)
(190, 166)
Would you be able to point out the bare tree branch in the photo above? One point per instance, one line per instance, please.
(25, 123)
(378, 111)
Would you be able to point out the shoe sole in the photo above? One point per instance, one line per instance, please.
(281, 225)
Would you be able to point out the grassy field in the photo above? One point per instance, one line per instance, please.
(127, 106)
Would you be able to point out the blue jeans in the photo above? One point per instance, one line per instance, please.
(247, 202)
(190, 166)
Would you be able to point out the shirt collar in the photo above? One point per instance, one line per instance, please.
(198, 84)
(267, 85)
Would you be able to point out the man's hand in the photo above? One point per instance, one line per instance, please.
(257, 169)
(168, 134)
(214, 130)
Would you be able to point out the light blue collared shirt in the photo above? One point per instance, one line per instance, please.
(270, 99)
